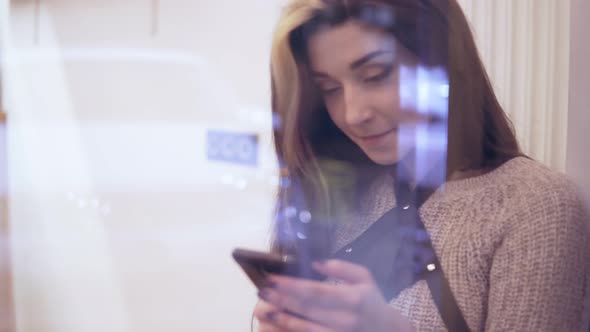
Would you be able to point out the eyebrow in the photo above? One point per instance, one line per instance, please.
(359, 62)
(366, 58)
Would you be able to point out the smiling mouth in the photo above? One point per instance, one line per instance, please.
(372, 137)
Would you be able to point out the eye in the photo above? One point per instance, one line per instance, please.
(328, 88)
(331, 91)
(377, 74)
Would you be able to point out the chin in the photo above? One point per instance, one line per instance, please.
(383, 160)
(389, 156)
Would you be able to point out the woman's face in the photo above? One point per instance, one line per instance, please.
(357, 70)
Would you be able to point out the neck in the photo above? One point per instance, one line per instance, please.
(427, 170)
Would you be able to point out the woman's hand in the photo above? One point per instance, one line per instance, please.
(298, 305)
(265, 313)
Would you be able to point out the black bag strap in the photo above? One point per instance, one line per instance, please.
(434, 276)
(445, 301)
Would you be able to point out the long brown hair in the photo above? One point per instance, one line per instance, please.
(480, 136)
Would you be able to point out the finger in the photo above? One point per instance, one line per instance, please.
(338, 318)
(309, 291)
(269, 327)
(264, 311)
(345, 271)
(287, 322)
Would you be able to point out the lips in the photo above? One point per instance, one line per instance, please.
(378, 135)
(376, 139)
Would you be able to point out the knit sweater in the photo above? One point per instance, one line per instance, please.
(513, 244)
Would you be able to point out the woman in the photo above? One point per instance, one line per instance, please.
(509, 233)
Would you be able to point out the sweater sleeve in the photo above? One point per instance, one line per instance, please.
(539, 272)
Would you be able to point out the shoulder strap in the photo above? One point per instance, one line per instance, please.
(444, 300)
(438, 284)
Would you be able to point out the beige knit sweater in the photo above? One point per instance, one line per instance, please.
(513, 244)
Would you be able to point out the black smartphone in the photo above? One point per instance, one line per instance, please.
(257, 265)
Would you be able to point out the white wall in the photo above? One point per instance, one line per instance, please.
(525, 47)
(119, 221)
(578, 152)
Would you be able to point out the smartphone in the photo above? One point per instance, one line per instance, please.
(258, 265)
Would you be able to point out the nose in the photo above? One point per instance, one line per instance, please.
(356, 107)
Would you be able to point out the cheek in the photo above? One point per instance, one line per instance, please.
(384, 101)
(388, 93)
